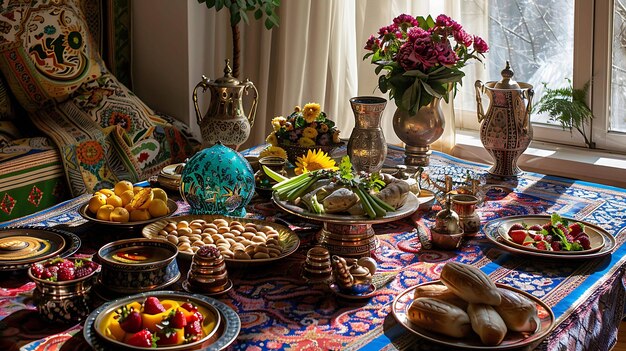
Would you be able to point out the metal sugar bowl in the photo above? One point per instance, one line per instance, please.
(225, 119)
(506, 130)
(447, 232)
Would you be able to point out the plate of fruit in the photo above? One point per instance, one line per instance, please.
(550, 236)
(162, 320)
(127, 205)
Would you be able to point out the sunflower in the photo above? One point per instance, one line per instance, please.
(306, 142)
(273, 151)
(309, 132)
(272, 139)
(313, 160)
(311, 111)
(277, 122)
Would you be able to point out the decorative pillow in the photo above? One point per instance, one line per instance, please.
(46, 51)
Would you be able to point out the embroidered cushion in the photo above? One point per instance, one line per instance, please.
(46, 51)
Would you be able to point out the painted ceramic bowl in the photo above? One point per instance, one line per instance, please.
(65, 301)
(107, 327)
(138, 265)
(217, 180)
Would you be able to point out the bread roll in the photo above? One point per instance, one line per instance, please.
(487, 323)
(470, 283)
(518, 312)
(439, 316)
(440, 292)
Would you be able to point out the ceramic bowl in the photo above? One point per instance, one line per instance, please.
(106, 327)
(64, 301)
(138, 265)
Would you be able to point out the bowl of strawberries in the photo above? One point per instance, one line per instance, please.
(163, 320)
(63, 286)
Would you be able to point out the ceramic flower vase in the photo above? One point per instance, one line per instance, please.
(418, 131)
(367, 147)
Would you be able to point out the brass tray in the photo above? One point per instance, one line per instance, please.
(512, 340)
(288, 240)
(62, 243)
(603, 240)
(86, 214)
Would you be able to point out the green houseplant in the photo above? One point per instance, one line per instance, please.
(568, 107)
(238, 10)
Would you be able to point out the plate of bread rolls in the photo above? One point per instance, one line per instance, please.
(466, 309)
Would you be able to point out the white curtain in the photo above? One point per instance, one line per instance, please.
(316, 56)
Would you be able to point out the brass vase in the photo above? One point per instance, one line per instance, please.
(418, 131)
(367, 147)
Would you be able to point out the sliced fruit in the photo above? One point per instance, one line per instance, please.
(518, 236)
(142, 199)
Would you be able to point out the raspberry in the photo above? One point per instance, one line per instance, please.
(51, 272)
(65, 273)
(82, 271)
(569, 238)
(542, 245)
(584, 241)
(60, 262)
(556, 245)
(537, 237)
(576, 228)
(516, 226)
(549, 238)
(37, 270)
(547, 226)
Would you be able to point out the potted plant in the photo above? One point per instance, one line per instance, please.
(238, 10)
(568, 107)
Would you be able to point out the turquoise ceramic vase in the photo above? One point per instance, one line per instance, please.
(217, 180)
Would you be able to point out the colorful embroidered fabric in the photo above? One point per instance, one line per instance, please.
(280, 312)
(46, 51)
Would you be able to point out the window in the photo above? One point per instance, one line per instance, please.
(548, 41)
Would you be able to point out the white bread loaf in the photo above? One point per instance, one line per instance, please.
(470, 283)
(518, 312)
(440, 292)
(440, 317)
(487, 323)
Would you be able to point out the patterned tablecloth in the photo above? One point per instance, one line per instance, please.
(279, 311)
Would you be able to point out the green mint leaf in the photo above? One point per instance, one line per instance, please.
(556, 219)
(345, 169)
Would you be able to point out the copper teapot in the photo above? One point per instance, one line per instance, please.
(506, 130)
(225, 119)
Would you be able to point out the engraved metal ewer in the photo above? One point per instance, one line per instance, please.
(506, 130)
(225, 119)
(367, 147)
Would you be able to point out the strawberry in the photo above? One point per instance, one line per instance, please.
(189, 307)
(583, 239)
(518, 236)
(549, 238)
(547, 226)
(193, 329)
(178, 320)
(170, 336)
(36, 269)
(516, 226)
(556, 246)
(130, 320)
(65, 273)
(542, 245)
(563, 228)
(142, 338)
(537, 237)
(569, 238)
(60, 262)
(535, 227)
(152, 305)
(576, 228)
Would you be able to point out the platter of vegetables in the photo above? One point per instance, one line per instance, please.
(550, 236)
(344, 196)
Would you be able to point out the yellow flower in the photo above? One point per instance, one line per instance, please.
(309, 132)
(313, 160)
(306, 142)
(273, 151)
(277, 122)
(297, 109)
(272, 139)
(311, 111)
(336, 138)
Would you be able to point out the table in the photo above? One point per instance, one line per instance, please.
(278, 311)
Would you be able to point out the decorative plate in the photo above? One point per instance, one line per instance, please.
(602, 241)
(86, 214)
(411, 204)
(371, 291)
(288, 240)
(21, 246)
(512, 340)
(226, 333)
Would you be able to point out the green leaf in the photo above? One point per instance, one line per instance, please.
(345, 168)
(415, 73)
(382, 84)
(430, 90)
(430, 22)
(258, 14)
(210, 3)
(219, 4)
(555, 218)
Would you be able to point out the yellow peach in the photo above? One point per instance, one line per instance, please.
(106, 192)
(158, 193)
(158, 208)
(139, 215)
(104, 212)
(122, 186)
(120, 214)
(114, 201)
(96, 202)
(127, 196)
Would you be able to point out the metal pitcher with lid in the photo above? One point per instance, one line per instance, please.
(506, 130)
(225, 119)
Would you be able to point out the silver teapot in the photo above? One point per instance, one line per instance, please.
(225, 120)
(506, 130)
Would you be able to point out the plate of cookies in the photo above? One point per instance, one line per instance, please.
(240, 240)
(466, 309)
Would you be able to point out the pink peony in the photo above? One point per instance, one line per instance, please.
(480, 45)
(417, 33)
(417, 56)
(445, 54)
(373, 43)
(462, 37)
(405, 19)
(443, 20)
(386, 30)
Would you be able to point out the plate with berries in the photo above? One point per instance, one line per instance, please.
(59, 270)
(550, 236)
(162, 320)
